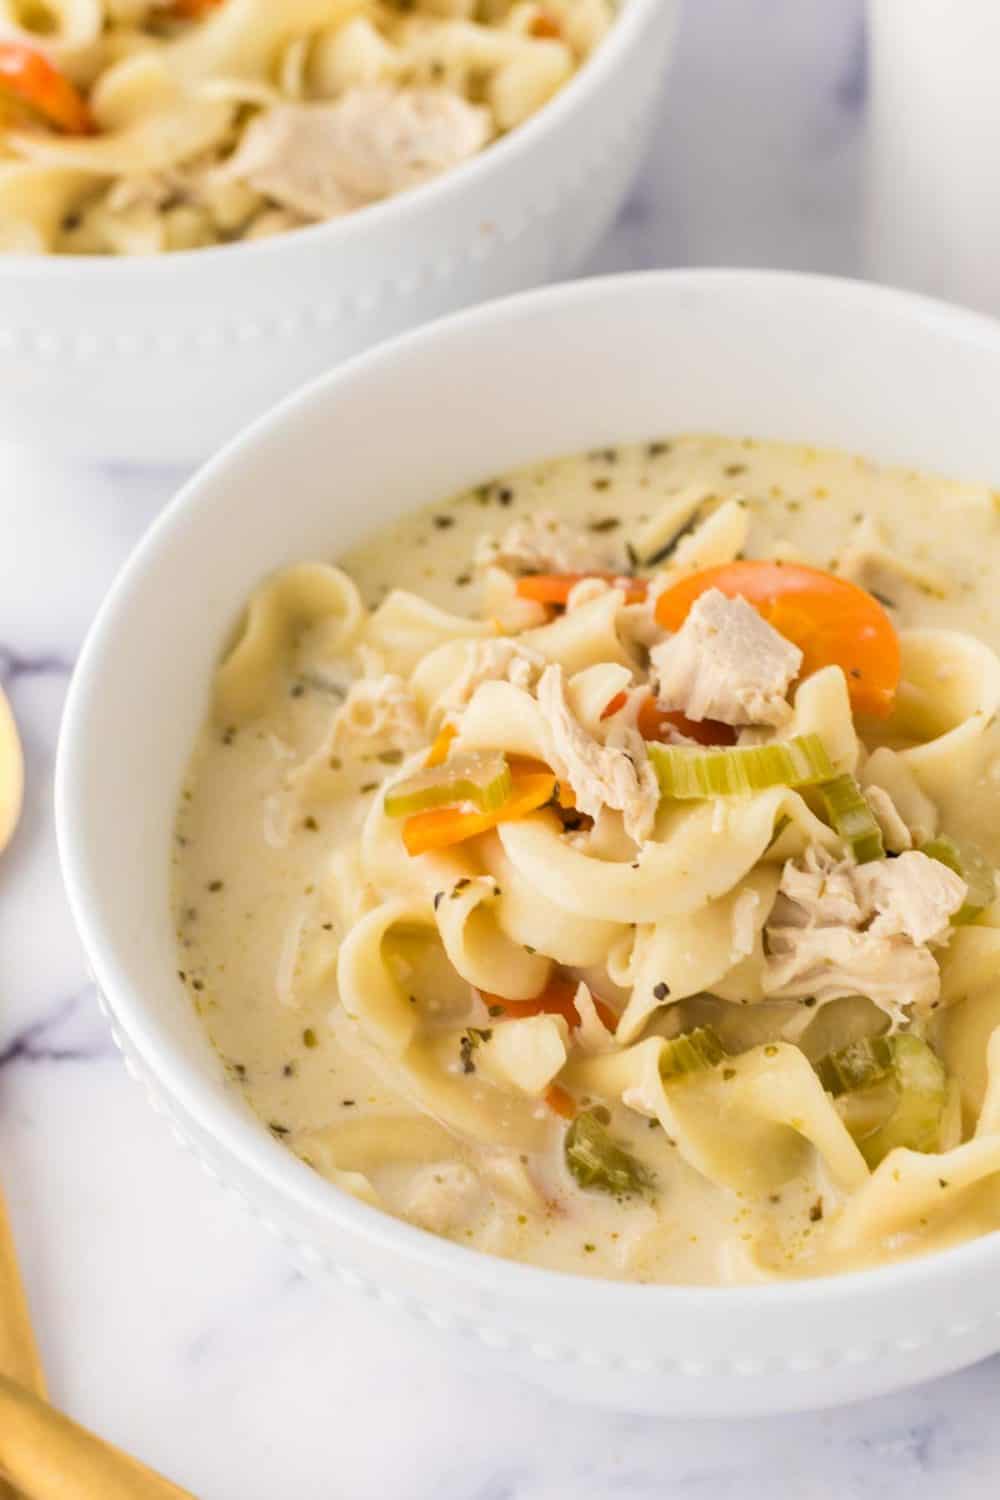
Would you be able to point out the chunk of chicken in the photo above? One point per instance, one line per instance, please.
(912, 896)
(443, 1196)
(540, 543)
(324, 160)
(827, 963)
(381, 713)
(617, 774)
(842, 929)
(726, 663)
(497, 660)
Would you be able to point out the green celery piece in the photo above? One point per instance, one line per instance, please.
(596, 1160)
(687, 774)
(857, 1066)
(919, 1084)
(922, 1087)
(848, 813)
(481, 777)
(692, 1052)
(974, 868)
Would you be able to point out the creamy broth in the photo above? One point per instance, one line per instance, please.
(420, 1114)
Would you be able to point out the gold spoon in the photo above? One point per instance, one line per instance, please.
(48, 1457)
(43, 1455)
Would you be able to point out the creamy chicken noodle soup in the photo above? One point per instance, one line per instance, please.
(598, 868)
(128, 127)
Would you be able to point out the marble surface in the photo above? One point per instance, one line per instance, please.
(167, 1319)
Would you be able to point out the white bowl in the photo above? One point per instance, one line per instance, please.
(162, 359)
(559, 371)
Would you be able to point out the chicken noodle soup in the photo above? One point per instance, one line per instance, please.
(130, 127)
(598, 868)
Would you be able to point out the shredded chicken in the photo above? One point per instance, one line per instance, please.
(382, 712)
(842, 929)
(497, 660)
(726, 663)
(540, 542)
(617, 774)
(912, 896)
(325, 160)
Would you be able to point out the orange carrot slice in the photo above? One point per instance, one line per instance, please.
(444, 826)
(29, 80)
(654, 723)
(555, 588)
(438, 753)
(560, 1102)
(833, 622)
(557, 999)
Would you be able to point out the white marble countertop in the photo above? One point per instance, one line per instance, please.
(169, 1321)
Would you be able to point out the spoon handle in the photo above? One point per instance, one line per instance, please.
(19, 1358)
(48, 1457)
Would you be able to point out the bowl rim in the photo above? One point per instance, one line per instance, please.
(242, 1140)
(393, 214)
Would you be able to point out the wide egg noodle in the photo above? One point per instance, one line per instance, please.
(406, 627)
(685, 955)
(746, 1124)
(583, 637)
(533, 921)
(953, 1194)
(300, 597)
(241, 39)
(153, 142)
(34, 201)
(948, 698)
(699, 852)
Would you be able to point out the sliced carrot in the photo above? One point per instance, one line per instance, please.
(614, 705)
(444, 826)
(654, 723)
(191, 10)
(555, 588)
(438, 753)
(557, 999)
(29, 80)
(832, 621)
(560, 1102)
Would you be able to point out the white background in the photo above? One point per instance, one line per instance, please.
(168, 1320)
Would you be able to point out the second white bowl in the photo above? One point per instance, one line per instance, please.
(161, 360)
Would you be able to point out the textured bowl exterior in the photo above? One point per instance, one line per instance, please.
(629, 359)
(161, 360)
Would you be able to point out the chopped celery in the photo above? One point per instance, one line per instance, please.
(596, 1160)
(848, 814)
(687, 773)
(857, 1066)
(481, 777)
(691, 1052)
(974, 868)
(915, 1098)
(922, 1090)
